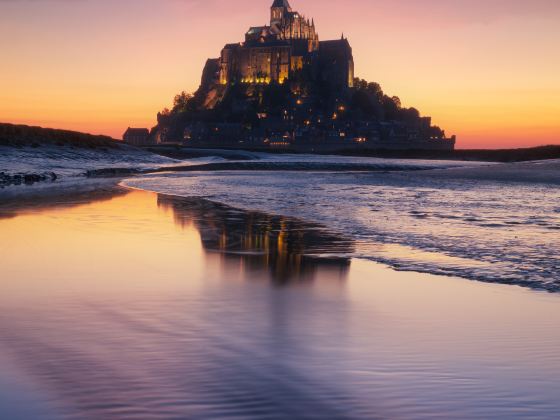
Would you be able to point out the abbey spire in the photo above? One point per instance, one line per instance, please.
(278, 11)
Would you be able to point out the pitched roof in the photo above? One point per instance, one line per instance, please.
(137, 131)
(257, 29)
(281, 3)
(336, 43)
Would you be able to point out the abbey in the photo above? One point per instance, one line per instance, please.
(283, 88)
(288, 45)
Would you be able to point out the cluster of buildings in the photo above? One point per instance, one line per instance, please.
(300, 128)
(286, 51)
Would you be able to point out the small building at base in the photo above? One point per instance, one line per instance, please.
(137, 136)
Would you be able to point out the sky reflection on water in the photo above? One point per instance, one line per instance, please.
(136, 305)
(497, 232)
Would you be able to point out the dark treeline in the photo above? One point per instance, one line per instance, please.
(24, 135)
(366, 100)
(242, 103)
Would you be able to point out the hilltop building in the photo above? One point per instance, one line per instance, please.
(275, 52)
(281, 87)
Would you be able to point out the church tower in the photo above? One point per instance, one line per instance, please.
(278, 11)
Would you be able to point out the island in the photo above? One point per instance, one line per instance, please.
(282, 88)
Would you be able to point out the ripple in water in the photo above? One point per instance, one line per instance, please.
(503, 233)
(190, 309)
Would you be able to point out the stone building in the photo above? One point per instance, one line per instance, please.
(137, 136)
(275, 52)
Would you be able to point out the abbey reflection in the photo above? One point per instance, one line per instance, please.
(287, 249)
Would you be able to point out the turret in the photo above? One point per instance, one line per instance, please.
(278, 11)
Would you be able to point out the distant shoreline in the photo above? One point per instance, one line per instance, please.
(33, 155)
(479, 155)
(12, 135)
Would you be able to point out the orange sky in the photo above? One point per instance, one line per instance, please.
(486, 70)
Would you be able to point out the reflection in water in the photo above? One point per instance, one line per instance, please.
(289, 249)
(60, 197)
(139, 306)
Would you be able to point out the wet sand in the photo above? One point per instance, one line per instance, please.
(536, 172)
(130, 304)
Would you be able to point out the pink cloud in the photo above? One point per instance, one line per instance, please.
(472, 11)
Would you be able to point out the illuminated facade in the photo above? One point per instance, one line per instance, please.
(290, 43)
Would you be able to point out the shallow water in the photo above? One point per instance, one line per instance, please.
(138, 305)
(491, 231)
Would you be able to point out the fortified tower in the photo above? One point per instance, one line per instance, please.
(274, 53)
(279, 9)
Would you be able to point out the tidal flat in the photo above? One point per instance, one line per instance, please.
(132, 304)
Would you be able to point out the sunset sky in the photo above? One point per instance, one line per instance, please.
(486, 70)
